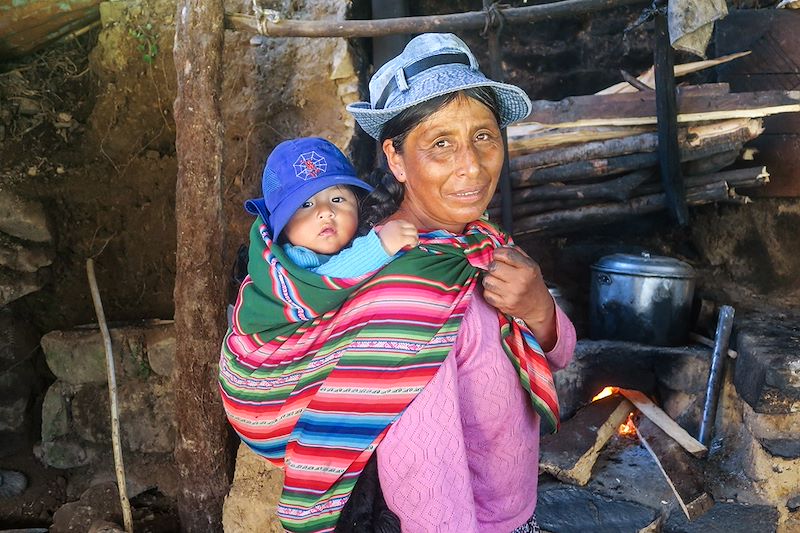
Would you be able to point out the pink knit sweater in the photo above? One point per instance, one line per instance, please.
(464, 456)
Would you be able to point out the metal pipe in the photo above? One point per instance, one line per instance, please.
(721, 341)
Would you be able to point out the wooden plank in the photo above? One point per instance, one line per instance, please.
(665, 422)
(570, 454)
(612, 110)
(683, 472)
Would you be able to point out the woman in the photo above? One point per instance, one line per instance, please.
(463, 455)
(442, 359)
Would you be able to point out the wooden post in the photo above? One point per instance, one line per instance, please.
(472, 20)
(666, 111)
(496, 73)
(202, 449)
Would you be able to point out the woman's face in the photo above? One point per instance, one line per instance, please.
(450, 164)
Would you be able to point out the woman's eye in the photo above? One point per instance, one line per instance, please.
(484, 136)
(442, 143)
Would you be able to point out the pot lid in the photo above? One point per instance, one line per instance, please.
(644, 264)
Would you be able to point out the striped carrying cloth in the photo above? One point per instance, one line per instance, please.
(314, 369)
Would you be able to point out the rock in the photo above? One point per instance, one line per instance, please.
(15, 394)
(18, 379)
(160, 345)
(23, 256)
(785, 448)
(252, 501)
(768, 367)
(99, 503)
(793, 503)
(55, 411)
(146, 414)
(577, 510)
(12, 483)
(78, 356)
(725, 518)
(65, 452)
(23, 218)
(104, 526)
(14, 285)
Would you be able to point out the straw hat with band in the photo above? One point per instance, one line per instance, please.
(431, 65)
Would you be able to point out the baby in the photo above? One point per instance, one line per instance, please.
(311, 209)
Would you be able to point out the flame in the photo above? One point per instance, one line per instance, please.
(608, 391)
(628, 429)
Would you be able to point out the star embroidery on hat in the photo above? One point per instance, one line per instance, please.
(309, 165)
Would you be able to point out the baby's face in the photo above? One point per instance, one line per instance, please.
(326, 222)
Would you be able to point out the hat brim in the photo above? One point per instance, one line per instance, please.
(512, 101)
(279, 217)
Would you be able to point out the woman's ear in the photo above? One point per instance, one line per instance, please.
(395, 161)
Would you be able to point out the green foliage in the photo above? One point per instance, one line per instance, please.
(147, 42)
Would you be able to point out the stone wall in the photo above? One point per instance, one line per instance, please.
(76, 416)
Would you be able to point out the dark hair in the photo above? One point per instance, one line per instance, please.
(389, 193)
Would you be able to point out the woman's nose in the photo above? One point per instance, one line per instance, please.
(469, 162)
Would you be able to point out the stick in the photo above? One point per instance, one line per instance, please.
(723, 335)
(648, 77)
(639, 85)
(683, 472)
(619, 189)
(472, 20)
(112, 394)
(742, 177)
(568, 219)
(663, 420)
(645, 142)
(705, 341)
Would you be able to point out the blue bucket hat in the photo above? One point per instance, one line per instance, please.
(431, 65)
(295, 171)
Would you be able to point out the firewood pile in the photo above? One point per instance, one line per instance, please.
(593, 159)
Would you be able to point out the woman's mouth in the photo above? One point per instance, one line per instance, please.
(471, 194)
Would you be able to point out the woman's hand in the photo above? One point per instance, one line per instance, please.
(514, 285)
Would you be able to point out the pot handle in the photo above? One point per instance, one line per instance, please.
(605, 279)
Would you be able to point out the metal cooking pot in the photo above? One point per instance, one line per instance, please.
(643, 298)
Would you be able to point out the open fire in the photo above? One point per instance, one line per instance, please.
(627, 429)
